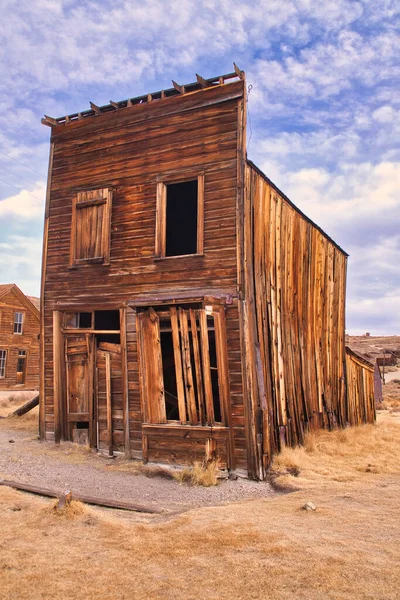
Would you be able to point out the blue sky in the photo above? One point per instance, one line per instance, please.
(324, 111)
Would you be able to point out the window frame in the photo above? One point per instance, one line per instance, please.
(3, 363)
(82, 200)
(195, 399)
(16, 322)
(161, 213)
(23, 356)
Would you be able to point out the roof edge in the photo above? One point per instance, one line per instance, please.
(22, 297)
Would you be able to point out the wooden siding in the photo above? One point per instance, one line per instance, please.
(360, 389)
(12, 342)
(299, 295)
(130, 152)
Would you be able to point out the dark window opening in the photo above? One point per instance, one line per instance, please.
(106, 319)
(82, 425)
(181, 218)
(214, 376)
(84, 320)
(112, 338)
(169, 375)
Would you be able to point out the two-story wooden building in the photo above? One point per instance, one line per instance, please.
(189, 309)
(19, 339)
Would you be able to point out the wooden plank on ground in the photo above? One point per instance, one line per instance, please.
(39, 491)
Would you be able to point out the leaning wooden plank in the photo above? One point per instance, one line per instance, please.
(33, 489)
(187, 367)
(22, 410)
(205, 352)
(197, 364)
(178, 366)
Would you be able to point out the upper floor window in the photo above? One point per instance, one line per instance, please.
(91, 227)
(18, 322)
(180, 217)
(3, 360)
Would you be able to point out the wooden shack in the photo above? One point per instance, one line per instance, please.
(19, 340)
(189, 309)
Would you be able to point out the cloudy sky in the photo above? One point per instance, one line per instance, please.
(324, 111)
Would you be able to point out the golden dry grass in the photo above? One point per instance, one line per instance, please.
(271, 548)
(344, 455)
(391, 396)
(28, 422)
(200, 473)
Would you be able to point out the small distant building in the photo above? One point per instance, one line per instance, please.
(387, 359)
(19, 339)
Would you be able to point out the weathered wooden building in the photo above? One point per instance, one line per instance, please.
(189, 310)
(19, 340)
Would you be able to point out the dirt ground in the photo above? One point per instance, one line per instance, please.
(373, 345)
(270, 547)
(25, 459)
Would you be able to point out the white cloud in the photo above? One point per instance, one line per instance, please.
(24, 205)
(324, 105)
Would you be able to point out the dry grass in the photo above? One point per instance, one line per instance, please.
(28, 422)
(391, 396)
(345, 455)
(201, 473)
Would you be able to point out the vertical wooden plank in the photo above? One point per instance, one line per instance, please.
(152, 381)
(178, 366)
(200, 214)
(197, 364)
(59, 388)
(187, 367)
(161, 216)
(91, 363)
(109, 403)
(42, 345)
(124, 375)
(106, 225)
(205, 353)
(223, 380)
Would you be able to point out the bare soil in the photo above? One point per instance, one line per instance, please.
(25, 459)
(373, 345)
(349, 547)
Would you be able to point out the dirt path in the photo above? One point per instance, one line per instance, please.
(392, 375)
(26, 460)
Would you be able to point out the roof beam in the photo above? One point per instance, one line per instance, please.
(114, 104)
(203, 82)
(179, 88)
(238, 71)
(94, 107)
(49, 121)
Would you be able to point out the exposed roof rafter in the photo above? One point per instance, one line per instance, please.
(199, 84)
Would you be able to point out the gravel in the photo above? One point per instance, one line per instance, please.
(26, 460)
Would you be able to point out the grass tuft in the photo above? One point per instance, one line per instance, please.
(201, 473)
(73, 509)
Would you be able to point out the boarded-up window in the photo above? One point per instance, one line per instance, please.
(3, 360)
(91, 227)
(182, 366)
